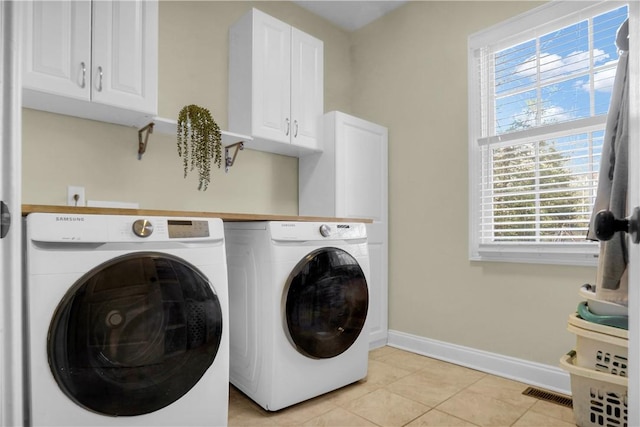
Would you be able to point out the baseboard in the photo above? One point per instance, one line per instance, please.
(536, 374)
(381, 342)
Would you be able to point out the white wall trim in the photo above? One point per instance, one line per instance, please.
(381, 342)
(536, 374)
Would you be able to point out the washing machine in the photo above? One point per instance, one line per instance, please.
(298, 301)
(127, 321)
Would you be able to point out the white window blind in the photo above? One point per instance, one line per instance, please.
(538, 104)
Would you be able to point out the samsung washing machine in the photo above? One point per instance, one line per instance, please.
(127, 321)
(298, 301)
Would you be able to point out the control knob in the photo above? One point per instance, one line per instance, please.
(142, 228)
(325, 230)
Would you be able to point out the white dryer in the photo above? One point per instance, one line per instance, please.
(298, 301)
(127, 321)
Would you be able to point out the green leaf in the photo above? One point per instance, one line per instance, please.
(199, 140)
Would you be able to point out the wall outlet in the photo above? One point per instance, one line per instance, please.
(75, 196)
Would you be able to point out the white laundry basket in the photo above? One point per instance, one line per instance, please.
(600, 347)
(599, 398)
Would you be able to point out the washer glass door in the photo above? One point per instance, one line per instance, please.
(326, 302)
(134, 334)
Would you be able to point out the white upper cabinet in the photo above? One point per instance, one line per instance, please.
(95, 60)
(275, 85)
(125, 50)
(57, 47)
(307, 89)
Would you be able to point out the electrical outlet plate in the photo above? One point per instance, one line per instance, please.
(72, 190)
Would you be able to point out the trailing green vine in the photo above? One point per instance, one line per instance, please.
(199, 141)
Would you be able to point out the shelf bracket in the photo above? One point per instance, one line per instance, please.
(142, 145)
(228, 160)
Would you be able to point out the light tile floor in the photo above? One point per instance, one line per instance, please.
(406, 389)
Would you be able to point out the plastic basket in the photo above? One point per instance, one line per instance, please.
(599, 399)
(584, 311)
(599, 347)
(600, 307)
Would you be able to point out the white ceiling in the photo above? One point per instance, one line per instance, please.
(350, 15)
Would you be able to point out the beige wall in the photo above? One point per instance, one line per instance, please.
(410, 74)
(60, 151)
(406, 71)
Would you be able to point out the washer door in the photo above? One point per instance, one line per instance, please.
(326, 301)
(134, 334)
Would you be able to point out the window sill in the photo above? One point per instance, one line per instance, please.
(585, 255)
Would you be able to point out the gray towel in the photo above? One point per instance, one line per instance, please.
(612, 184)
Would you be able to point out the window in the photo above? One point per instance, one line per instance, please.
(538, 100)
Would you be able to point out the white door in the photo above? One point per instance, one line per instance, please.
(633, 201)
(11, 389)
(307, 86)
(57, 47)
(271, 79)
(125, 54)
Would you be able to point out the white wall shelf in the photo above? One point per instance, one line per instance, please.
(230, 140)
(169, 126)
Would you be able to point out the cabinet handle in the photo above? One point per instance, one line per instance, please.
(100, 79)
(295, 127)
(84, 74)
(288, 126)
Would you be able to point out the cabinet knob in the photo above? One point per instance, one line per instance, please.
(288, 126)
(295, 128)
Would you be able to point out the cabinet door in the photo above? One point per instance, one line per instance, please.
(307, 85)
(271, 78)
(349, 180)
(361, 169)
(125, 58)
(378, 284)
(57, 47)
(361, 192)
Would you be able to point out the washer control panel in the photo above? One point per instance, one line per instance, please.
(90, 228)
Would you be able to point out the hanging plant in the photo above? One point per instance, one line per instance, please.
(199, 141)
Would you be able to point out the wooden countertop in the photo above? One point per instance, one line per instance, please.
(225, 216)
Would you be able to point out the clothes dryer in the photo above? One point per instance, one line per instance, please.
(298, 301)
(127, 321)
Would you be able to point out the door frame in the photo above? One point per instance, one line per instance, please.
(11, 301)
(634, 200)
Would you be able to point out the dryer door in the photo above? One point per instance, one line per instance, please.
(326, 302)
(134, 334)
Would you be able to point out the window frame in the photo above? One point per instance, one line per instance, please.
(543, 20)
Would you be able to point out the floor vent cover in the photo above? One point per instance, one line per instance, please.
(548, 396)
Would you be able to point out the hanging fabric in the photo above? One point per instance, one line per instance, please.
(612, 279)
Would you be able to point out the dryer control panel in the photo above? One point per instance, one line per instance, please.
(316, 231)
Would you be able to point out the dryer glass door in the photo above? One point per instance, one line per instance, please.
(326, 303)
(134, 334)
